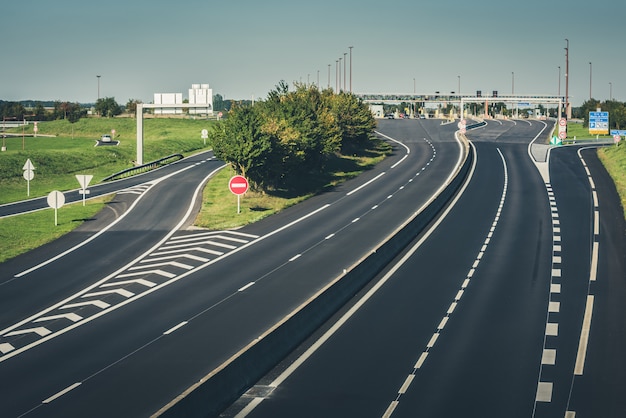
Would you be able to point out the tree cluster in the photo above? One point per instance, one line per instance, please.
(617, 112)
(290, 133)
(108, 107)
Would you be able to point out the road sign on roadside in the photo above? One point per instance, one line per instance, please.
(56, 199)
(238, 185)
(83, 180)
(29, 174)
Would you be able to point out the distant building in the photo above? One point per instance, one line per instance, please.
(168, 99)
(199, 94)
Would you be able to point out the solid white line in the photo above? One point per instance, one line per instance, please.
(365, 184)
(584, 337)
(333, 329)
(63, 392)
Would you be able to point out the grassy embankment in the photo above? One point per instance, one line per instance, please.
(71, 151)
(613, 157)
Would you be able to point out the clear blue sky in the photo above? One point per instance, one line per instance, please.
(53, 50)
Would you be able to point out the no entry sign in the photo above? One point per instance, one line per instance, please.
(238, 185)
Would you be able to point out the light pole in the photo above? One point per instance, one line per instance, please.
(512, 83)
(350, 48)
(414, 86)
(559, 93)
(339, 88)
(328, 76)
(567, 113)
(336, 75)
(590, 80)
(98, 86)
(344, 70)
(610, 91)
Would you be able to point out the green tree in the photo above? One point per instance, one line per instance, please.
(239, 141)
(108, 107)
(131, 106)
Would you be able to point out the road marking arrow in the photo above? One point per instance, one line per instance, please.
(120, 292)
(6, 347)
(140, 273)
(41, 331)
(100, 304)
(71, 316)
(144, 282)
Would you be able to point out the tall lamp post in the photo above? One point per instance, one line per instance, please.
(567, 111)
(590, 80)
(559, 91)
(344, 70)
(98, 86)
(329, 76)
(610, 91)
(350, 48)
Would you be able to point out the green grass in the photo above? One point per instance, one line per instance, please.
(614, 160)
(31, 230)
(71, 151)
(219, 205)
(581, 133)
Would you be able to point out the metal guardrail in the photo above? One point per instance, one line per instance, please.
(144, 167)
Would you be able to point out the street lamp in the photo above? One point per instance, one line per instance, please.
(344, 70)
(98, 86)
(339, 88)
(590, 80)
(559, 94)
(350, 48)
(329, 76)
(512, 83)
(567, 112)
(610, 91)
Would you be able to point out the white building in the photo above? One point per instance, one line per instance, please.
(201, 94)
(168, 99)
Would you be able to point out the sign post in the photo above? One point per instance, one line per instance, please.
(56, 199)
(238, 185)
(204, 134)
(29, 174)
(83, 180)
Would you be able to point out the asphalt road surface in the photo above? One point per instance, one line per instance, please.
(126, 313)
(511, 306)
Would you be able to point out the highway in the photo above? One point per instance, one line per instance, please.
(130, 311)
(511, 305)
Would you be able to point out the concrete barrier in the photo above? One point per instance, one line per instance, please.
(224, 385)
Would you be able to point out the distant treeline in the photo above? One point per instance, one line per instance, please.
(53, 110)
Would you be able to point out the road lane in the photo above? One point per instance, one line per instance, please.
(439, 337)
(89, 362)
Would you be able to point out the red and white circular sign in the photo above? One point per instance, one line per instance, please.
(563, 122)
(238, 185)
